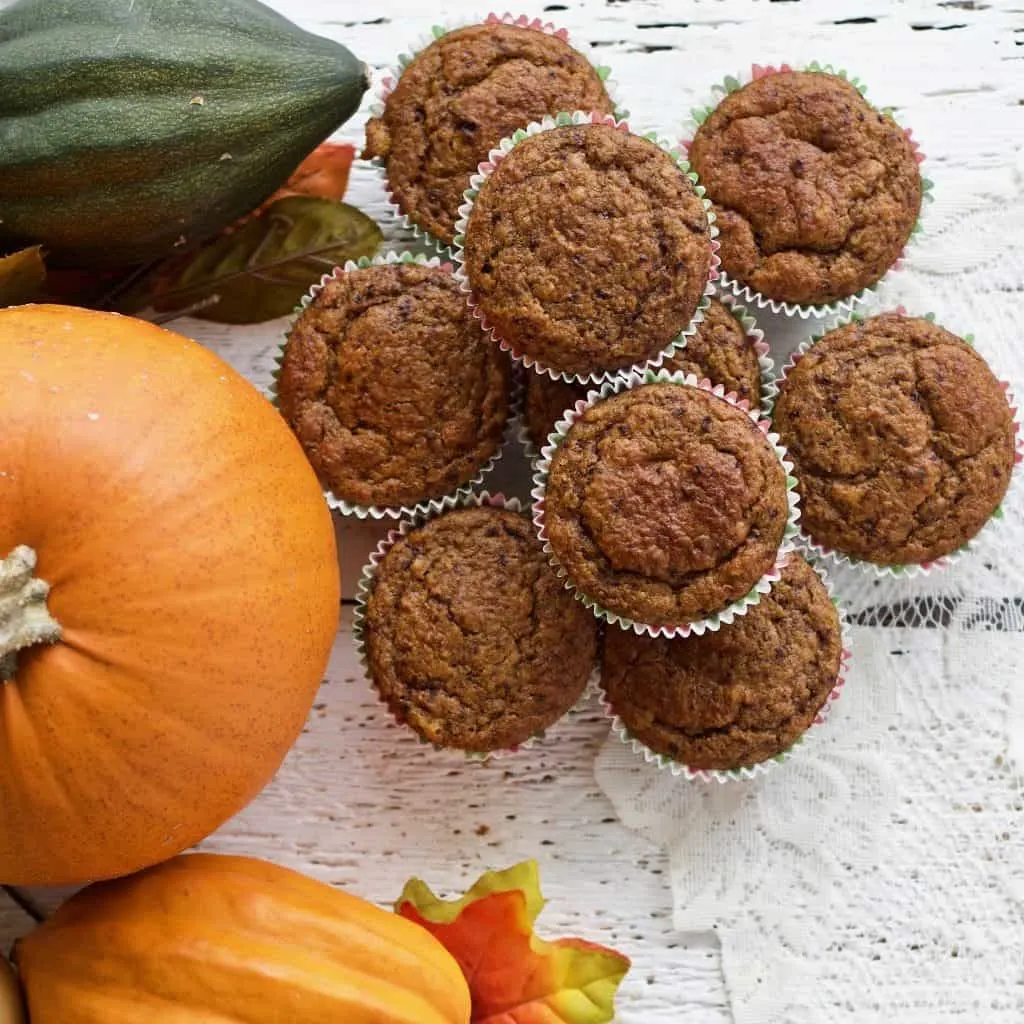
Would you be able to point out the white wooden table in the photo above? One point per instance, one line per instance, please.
(362, 805)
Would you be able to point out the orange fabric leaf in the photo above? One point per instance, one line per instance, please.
(514, 976)
(324, 173)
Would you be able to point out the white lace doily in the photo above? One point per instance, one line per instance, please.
(879, 875)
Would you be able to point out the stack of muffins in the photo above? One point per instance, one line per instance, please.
(578, 265)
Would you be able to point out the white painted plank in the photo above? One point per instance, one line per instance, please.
(361, 804)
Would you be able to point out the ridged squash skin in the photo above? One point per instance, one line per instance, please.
(206, 939)
(193, 571)
(134, 129)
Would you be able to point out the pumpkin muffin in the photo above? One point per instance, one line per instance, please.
(665, 504)
(735, 697)
(901, 437)
(588, 249)
(719, 350)
(470, 637)
(458, 99)
(396, 394)
(816, 192)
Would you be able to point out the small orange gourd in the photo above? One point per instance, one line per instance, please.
(10, 999)
(206, 938)
(169, 593)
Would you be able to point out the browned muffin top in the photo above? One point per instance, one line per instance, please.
(738, 696)
(719, 350)
(901, 436)
(588, 249)
(471, 638)
(391, 386)
(458, 99)
(816, 192)
(665, 504)
(545, 404)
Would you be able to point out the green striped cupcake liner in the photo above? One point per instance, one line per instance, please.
(389, 80)
(495, 157)
(913, 569)
(427, 505)
(365, 588)
(724, 616)
(744, 773)
(733, 83)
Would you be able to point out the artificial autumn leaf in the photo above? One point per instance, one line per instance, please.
(262, 269)
(323, 173)
(514, 976)
(21, 276)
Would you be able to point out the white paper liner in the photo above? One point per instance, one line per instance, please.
(386, 85)
(428, 505)
(366, 577)
(744, 292)
(768, 391)
(728, 614)
(913, 569)
(564, 120)
(746, 772)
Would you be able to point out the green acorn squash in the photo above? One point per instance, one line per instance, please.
(131, 129)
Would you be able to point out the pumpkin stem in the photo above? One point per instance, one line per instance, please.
(24, 618)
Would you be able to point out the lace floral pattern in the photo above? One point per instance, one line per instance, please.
(880, 874)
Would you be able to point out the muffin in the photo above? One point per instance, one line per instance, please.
(458, 98)
(470, 637)
(395, 393)
(737, 697)
(719, 350)
(665, 504)
(816, 192)
(901, 437)
(587, 249)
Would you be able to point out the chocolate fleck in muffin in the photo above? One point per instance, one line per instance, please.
(588, 249)
(665, 504)
(391, 386)
(470, 637)
(902, 439)
(458, 99)
(816, 192)
(719, 350)
(735, 697)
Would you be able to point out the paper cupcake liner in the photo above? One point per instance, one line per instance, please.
(386, 85)
(365, 586)
(730, 84)
(913, 569)
(734, 609)
(428, 505)
(746, 772)
(755, 336)
(496, 155)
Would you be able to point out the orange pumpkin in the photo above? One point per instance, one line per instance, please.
(206, 938)
(193, 594)
(10, 998)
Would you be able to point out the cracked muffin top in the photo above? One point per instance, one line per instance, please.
(816, 192)
(738, 696)
(395, 393)
(719, 350)
(458, 99)
(665, 504)
(588, 249)
(901, 437)
(471, 638)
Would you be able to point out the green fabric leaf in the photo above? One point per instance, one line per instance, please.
(261, 270)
